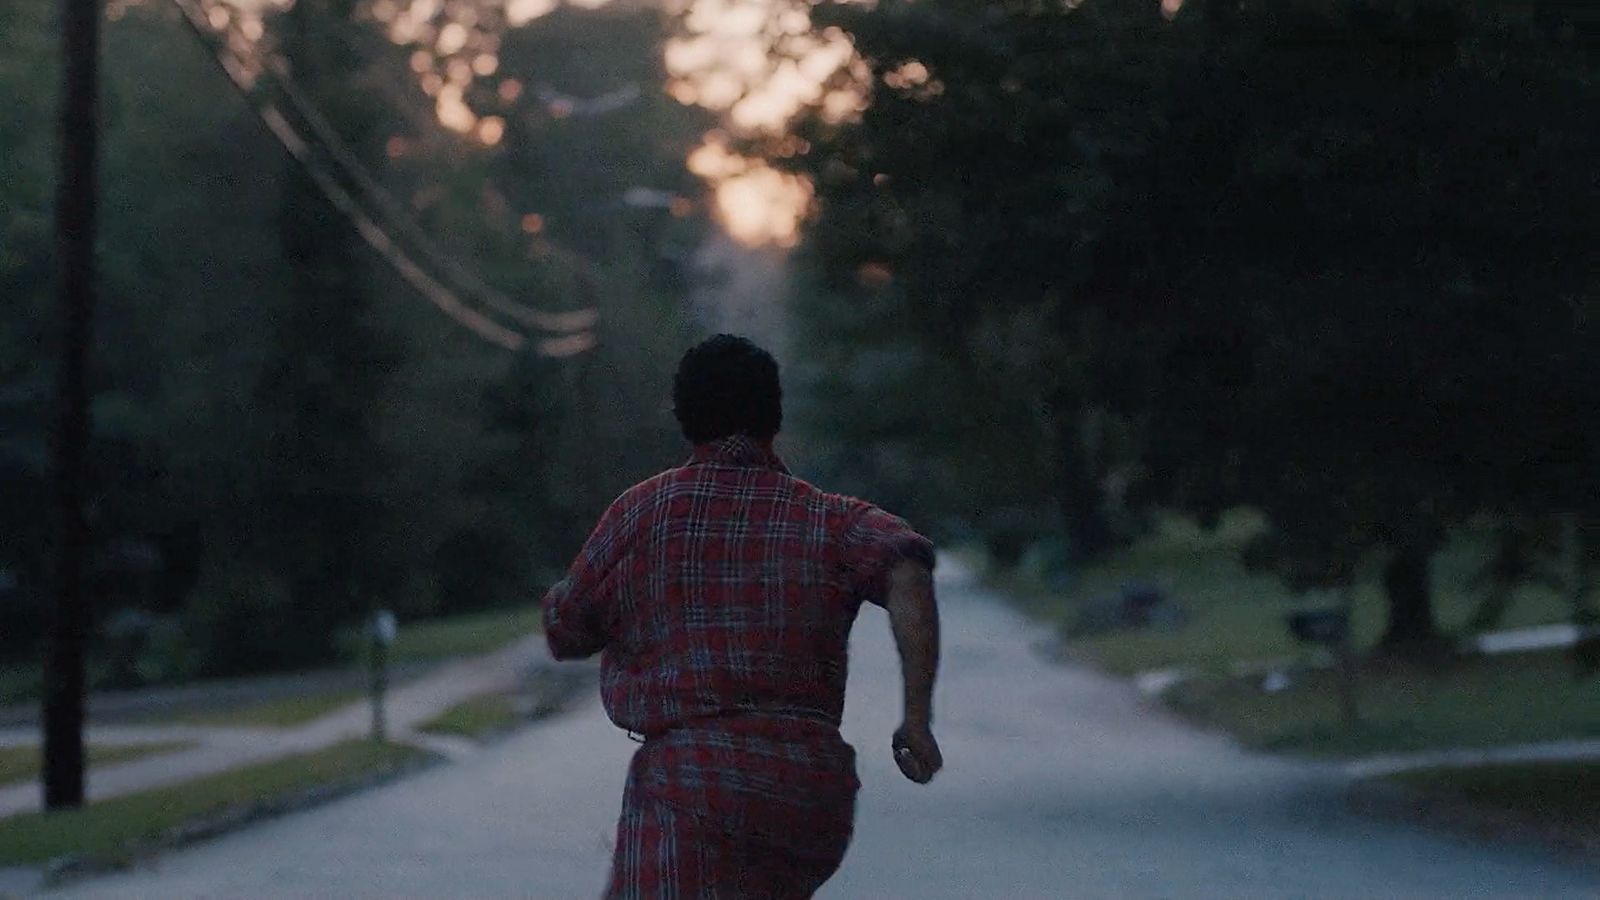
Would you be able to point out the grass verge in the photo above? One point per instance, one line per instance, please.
(1472, 702)
(121, 828)
(1234, 614)
(1237, 616)
(282, 712)
(478, 718)
(464, 635)
(22, 763)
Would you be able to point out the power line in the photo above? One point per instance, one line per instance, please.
(572, 335)
(329, 139)
(299, 150)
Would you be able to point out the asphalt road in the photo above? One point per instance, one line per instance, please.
(1059, 783)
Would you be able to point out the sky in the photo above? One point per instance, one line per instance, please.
(722, 60)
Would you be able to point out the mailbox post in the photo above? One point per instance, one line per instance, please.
(382, 630)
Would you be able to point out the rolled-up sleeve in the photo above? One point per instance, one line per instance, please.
(873, 543)
(577, 610)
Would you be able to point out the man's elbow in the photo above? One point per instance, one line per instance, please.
(559, 649)
(910, 588)
(565, 646)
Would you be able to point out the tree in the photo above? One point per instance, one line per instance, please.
(1244, 252)
(974, 187)
(28, 63)
(593, 185)
(321, 510)
(277, 413)
(1396, 325)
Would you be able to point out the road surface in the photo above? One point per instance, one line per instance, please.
(1059, 783)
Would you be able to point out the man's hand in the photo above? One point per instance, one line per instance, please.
(917, 753)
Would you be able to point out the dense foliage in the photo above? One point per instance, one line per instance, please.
(286, 435)
(1329, 260)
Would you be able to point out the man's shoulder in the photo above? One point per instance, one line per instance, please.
(647, 490)
(843, 506)
(653, 491)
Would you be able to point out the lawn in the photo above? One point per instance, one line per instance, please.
(421, 642)
(1236, 615)
(463, 635)
(1475, 701)
(20, 683)
(477, 718)
(22, 763)
(281, 712)
(1560, 796)
(115, 829)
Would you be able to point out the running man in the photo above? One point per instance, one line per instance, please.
(722, 594)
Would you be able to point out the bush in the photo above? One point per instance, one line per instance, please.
(1009, 532)
(1048, 561)
(23, 609)
(241, 619)
(476, 568)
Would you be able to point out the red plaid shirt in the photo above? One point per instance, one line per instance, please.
(723, 587)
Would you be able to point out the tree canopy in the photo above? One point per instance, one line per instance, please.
(286, 434)
(1326, 260)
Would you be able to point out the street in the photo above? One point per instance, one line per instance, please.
(1058, 783)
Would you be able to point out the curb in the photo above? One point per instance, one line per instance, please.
(73, 867)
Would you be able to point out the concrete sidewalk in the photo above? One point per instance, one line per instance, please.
(139, 705)
(220, 749)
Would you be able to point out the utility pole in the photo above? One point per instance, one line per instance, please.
(75, 278)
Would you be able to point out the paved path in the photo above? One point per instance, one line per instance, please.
(1060, 784)
(136, 705)
(1523, 640)
(218, 749)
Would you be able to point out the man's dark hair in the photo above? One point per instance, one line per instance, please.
(725, 386)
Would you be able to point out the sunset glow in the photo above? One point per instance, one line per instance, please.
(757, 62)
(521, 12)
(755, 203)
(491, 130)
(453, 112)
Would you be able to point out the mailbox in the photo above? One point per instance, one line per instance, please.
(384, 627)
(1320, 626)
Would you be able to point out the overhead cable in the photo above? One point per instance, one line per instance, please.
(571, 327)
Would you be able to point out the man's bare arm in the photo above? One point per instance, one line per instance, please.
(914, 618)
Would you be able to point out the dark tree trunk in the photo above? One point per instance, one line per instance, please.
(75, 231)
(1089, 533)
(1507, 568)
(1081, 499)
(1407, 583)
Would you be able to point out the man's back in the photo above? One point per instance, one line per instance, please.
(722, 594)
(730, 588)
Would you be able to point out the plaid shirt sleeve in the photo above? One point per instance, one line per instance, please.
(578, 609)
(873, 543)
